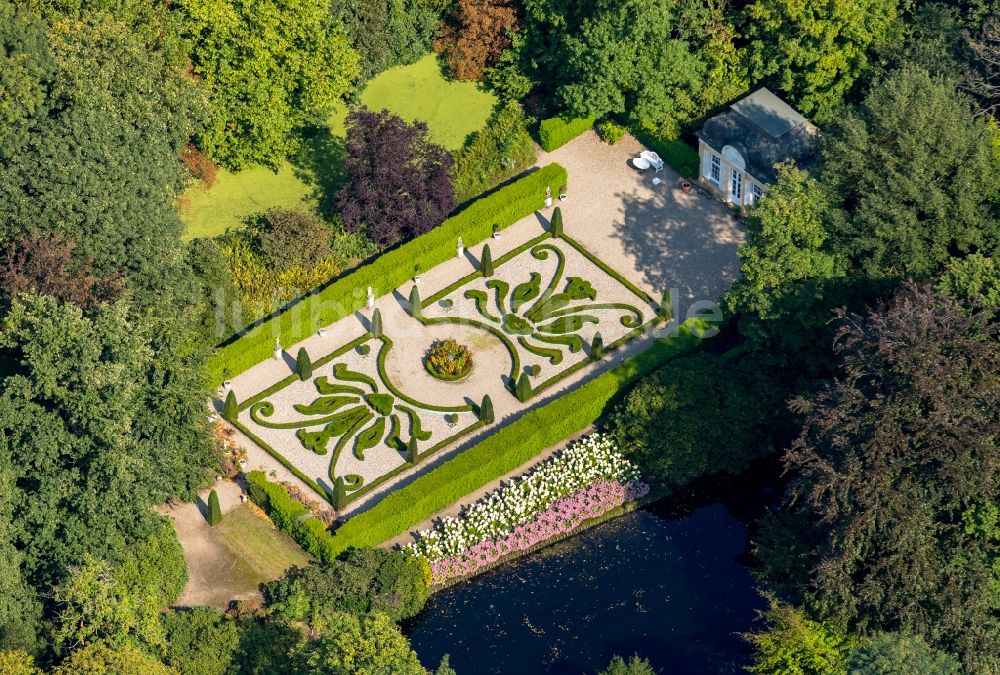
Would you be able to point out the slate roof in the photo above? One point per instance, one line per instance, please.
(765, 130)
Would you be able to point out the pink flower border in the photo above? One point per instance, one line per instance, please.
(561, 517)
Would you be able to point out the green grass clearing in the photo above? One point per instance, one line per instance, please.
(261, 553)
(208, 213)
(452, 111)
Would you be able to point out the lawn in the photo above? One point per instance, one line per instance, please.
(452, 111)
(259, 552)
(208, 213)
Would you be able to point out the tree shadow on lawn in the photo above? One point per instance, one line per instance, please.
(319, 163)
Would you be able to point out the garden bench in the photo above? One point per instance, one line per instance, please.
(653, 159)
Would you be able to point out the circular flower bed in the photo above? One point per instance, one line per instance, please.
(447, 360)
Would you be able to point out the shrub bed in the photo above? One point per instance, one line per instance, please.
(509, 447)
(291, 517)
(555, 132)
(448, 360)
(390, 270)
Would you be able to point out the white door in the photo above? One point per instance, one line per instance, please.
(735, 186)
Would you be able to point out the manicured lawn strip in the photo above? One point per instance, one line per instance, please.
(266, 551)
(390, 270)
(291, 517)
(555, 132)
(236, 196)
(508, 448)
(421, 91)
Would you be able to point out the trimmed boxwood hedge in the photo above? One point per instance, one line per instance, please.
(557, 131)
(390, 270)
(509, 447)
(291, 517)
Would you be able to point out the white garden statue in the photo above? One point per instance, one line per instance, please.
(459, 248)
(277, 349)
(371, 298)
(548, 196)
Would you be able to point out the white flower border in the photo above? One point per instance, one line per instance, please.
(496, 515)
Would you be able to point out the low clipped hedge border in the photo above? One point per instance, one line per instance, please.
(291, 517)
(361, 492)
(387, 382)
(357, 494)
(509, 447)
(558, 377)
(555, 132)
(346, 295)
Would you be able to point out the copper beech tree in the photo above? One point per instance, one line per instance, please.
(398, 182)
(476, 36)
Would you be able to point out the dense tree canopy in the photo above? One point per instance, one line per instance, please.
(889, 653)
(386, 33)
(398, 182)
(202, 640)
(699, 415)
(815, 51)
(894, 472)
(974, 279)
(98, 422)
(365, 580)
(270, 67)
(26, 66)
(916, 173)
(794, 643)
(45, 265)
(475, 37)
(788, 241)
(116, 114)
(352, 644)
(622, 61)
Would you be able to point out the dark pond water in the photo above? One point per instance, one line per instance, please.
(666, 582)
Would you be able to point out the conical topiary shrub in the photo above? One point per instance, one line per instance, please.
(486, 410)
(522, 390)
(412, 453)
(231, 408)
(303, 366)
(486, 262)
(339, 493)
(597, 346)
(665, 310)
(556, 224)
(214, 509)
(415, 302)
(377, 323)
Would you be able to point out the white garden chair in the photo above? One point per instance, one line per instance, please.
(653, 159)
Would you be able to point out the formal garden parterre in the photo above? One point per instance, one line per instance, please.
(348, 426)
